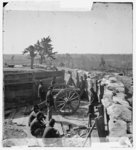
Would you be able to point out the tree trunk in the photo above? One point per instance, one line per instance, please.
(41, 59)
(32, 62)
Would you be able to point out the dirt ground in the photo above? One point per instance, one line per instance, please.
(17, 133)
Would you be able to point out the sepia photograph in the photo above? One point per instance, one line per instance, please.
(67, 74)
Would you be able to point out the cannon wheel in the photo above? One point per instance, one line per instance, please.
(67, 101)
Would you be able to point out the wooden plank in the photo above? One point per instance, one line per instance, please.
(39, 75)
(17, 72)
(17, 78)
(15, 83)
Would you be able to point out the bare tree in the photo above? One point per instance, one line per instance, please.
(32, 52)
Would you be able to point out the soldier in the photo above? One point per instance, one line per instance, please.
(71, 81)
(85, 81)
(53, 82)
(93, 102)
(38, 125)
(101, 90)
(89, 85)
(33, 114)
(82, 87)
(50, 131)
(94, 97)
(41, 92)
(50, 102)
(51, 135)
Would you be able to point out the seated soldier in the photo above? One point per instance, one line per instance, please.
(33, 114)
(38, 125)
(50, 131)
(51, 135)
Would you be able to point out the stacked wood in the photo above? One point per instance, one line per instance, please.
(20, 88)
(118, 108)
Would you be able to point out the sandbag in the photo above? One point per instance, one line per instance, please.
(113, 79)
(108, 93)
(107, 102)
(123, 102)
(121, 95)
(117, 128)
(104, 81)
(116, 88)
(119, 112)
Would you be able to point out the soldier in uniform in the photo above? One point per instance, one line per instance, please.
(51, 135)
(41, 91)
(38, 125)
(33, 114)
(53, 82)
(71, 81)
(49, 102)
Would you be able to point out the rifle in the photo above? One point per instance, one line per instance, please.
(89, 134)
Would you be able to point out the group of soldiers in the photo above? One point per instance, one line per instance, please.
(43, 126)
(92, 90)
(39, 127)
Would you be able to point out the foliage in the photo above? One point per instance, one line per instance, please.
(45, 49)
(32, 52)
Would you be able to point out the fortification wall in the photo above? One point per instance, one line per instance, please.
(119, 108)
(20, 88)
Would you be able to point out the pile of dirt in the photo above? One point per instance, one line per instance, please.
(12, 130)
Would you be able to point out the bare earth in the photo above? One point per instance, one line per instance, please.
(16, 130)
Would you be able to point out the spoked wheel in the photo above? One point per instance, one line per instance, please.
(67, 101)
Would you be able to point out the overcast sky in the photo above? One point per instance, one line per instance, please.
(106, 28)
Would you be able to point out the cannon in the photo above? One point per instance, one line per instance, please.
(67, 101)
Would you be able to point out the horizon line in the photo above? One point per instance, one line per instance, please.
(79, 53)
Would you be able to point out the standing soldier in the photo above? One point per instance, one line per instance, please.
(82, 87)
(41, 92)
(53, 82)
(71, 81)
(77, 80)
(85, 81)
(50, 102)
(101, 90)
(89, 85)
(94, 100)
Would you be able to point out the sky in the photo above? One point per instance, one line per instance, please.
(105, 29)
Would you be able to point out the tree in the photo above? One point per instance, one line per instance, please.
(32, 52)
(45, 49)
